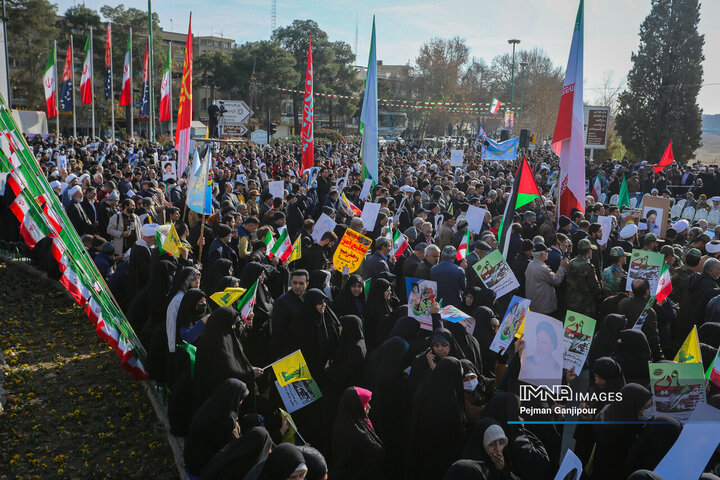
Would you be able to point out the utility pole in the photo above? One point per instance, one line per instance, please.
(513, 42)
(151, 133)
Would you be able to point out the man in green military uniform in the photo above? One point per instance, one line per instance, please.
(679, 276)
(583, 287)
(595, 234)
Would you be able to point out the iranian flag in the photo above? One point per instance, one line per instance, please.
(126, 93)
(664, 284)
(399, 244)
(165, 86)
(86, 87)
(282, 247)
(269, 241)
(247, 301)
(713, 373)
(495, 106)
(72, 282)
(568, 138)
(55, 222)
(32, 228)
(524, 191)
(49, 84)
(597, 187)
(463, 248)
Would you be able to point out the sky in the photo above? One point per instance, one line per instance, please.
(611, 29)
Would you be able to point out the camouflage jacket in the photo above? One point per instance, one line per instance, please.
(679, 277)
(583, 287)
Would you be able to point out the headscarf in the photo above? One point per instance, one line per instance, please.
(181, 282)
(475, 447)
(348, 366)
(315, 462)
(468, 344)
(479, 299)
(633, 356)
(409, 330)
(319, 337)
(377, 312)
(345, 303)
(238, 457)
(709, 333)
(644, 475)
(609, 370)
(438, 412)
(320, 279)
(281, 463)
(213, 424)
(219, 354)
(634, 398)
(358, 451)
(263, 301)
(187, 313)
(220, 268)
(485, 334)
(467, 470)
(653, 443)
(605, 340)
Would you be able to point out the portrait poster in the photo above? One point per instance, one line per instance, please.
(645, 264)
(297, 395)
(496, 274)
(455, 315)
(169, 170)
(692, 450)
(456, 158)
(656, 211)
(421, 294)
(542, 358)
(577, 336)
(351, 251)
(514, 318)
(324, 224)
(677, 388)
(277, 189)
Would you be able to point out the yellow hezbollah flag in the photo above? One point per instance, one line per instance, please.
(172, 242)
(690, 350)
(291, 369)
(292, 430)
(296, 253)
(227, 296)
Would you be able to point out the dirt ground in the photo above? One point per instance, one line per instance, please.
(72, 412)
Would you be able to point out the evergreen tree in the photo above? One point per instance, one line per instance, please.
(660, 103)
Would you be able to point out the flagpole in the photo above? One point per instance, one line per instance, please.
(150, 73)
(132, 119)
(72, 77)
(92, 92)
(57, 106)
(112, 89)
(170, 90)
(202, 227)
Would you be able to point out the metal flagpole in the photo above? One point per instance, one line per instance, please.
(92, 92)
(132, 115)
(170, 93)
(112, 89)
(151, 133)
(57, 106)
(72, 76)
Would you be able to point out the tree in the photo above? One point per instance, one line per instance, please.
(660, 103)
(213, 70)
(333, 71)
(30, 42)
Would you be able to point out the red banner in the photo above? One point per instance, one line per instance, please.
(306, 134)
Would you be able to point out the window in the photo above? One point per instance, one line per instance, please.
(203, 104)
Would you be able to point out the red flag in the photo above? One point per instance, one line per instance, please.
(184, 117)
(666, 159)
(306, 134)
(126, 93)
(86, 81)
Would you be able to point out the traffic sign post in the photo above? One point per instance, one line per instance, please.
(234, 115)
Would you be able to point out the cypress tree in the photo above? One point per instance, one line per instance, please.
(660, 103)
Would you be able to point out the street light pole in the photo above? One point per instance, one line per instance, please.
(512, 42)
(522, 86)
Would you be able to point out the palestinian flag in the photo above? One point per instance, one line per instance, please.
(282, 247)
(296, 253)
(32, 228)
(269, 242)
(597, 188)
(247, 301)
(664, 284)
(624, 196)
(464, 245)
(399, 244)
(524, 191)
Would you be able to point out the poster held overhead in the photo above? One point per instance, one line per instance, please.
(541, 360)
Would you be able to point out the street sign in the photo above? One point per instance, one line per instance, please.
(236, 112)
(259, 136)
(596, 127)
(235, 130)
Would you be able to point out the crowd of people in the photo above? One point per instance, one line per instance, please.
(398, 401)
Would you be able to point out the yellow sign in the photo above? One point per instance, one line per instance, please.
(291, 369)
(351, 251)
(228, 296)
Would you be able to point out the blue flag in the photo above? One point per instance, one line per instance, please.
(369, 117)
(199, 195)
(506, 150)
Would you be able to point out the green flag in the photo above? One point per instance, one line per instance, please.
(624, 197)
(369, 117)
